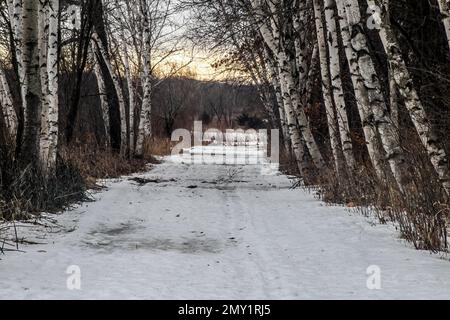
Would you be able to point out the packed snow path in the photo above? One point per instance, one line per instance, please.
(218, 232)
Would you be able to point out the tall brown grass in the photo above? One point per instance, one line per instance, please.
(421, 214)
(157, 146)
(24, 193)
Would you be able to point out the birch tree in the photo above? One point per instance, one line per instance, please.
(405, 85)
(273, 75)
(104, 105)
(294, 111)
(327, 90)
(31, 84)
(336, 84)
(444, 8)
(375, 99)
(296, 142)
(15, 9)
(356, 46)
(103, 52)
(145, 120)
(144, 28)
(131, 98)
(49, 46)
(8, 110)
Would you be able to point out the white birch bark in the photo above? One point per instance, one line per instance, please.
(302, 50)
(394, 101)
(144, 129)
(145, 119)
(45, 94)
(31, 86)
(362, 98)
(119, 91)
(444, 7)
(278, 94)
(297, 143)
(372, 87)
(287, 112)
(48, 70)
(336, 84)
(327, 91)
(15, 9)
(303, 123)
(131, 98)
(9, 113)
(15, 14)
(53, 86)
(419, 117)
(273, 41)
(313, 70)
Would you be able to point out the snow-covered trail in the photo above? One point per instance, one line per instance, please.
(218, 232)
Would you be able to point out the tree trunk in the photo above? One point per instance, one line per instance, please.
(394, 102)
(375, 100)
(53, 81)
(119, 91)
(273, 75)
(372, 87)
(131, 99)
(299, 112)
(145, 118)
(9, 113)
(31, 85)
(297, 143)
(362, 98)
(336, 85)
(15, 9)
(45, 93)
(444, 7)
(294, 109)
(302, 50)
(104, 105)
(327, 92)
(422, 122)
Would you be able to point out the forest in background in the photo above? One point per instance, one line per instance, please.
(358, 88)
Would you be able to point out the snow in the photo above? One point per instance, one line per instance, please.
(212, 231)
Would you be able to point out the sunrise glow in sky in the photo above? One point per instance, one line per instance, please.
(199, 64)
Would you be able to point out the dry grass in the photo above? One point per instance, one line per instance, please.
(26, 192)
(157, 146)
(95, 163)
(421, 214)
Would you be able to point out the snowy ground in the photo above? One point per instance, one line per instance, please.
(217, 232)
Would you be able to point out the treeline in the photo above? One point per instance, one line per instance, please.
(49, 51)
(177, 101)
(362, 92)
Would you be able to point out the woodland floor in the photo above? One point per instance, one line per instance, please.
(212, 231)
